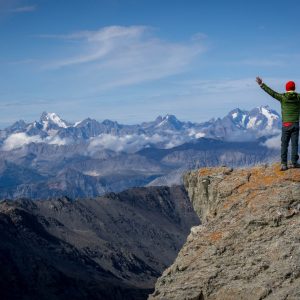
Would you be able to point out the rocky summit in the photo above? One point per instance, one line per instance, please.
(248, 245)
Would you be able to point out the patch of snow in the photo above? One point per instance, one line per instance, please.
(92, 173)
(270, 117)
(163, 122)
(45, 125)
(77, 123)
(199, 135)
(54, 118)
(243, 120)
(251, 122)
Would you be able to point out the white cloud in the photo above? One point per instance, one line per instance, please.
(118, 56)
(227, 85)
(104, 34)
(221, 85)
(18, 140)
(128, 143)
(199, 36)
(56, 140)
(22, 9)
(273, 142)
(132, 143)
(193, 133)
(267, 62)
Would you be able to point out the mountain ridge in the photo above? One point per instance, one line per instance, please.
(90, 158)
(53, 129)
(110, 247)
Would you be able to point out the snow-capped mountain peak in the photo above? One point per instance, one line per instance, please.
(271, 115)
(263, 117)
(238, 124)
(53, 119)
(236, 112)
(238, 117)
(259, 118)
(169, 122)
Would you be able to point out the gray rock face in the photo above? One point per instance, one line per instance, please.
(110, 247)
(248, 244)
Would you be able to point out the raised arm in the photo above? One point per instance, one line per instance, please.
(268, 90)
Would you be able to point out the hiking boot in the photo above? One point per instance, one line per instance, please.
(283, 167)
(295, 165)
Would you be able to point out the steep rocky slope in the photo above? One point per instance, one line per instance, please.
(248, 246)
(110, 247)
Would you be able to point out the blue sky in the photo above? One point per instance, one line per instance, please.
(133, 60)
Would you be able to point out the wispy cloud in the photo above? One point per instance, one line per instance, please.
(118, 55)
(22, 9)
(20, 62)
(18, 140)
(267, 62)
(232, 85)
(105, 33)
(133, 142)
(270, 61)
(273, 142)
(220, 86)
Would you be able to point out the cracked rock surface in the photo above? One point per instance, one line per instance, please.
(248, 245)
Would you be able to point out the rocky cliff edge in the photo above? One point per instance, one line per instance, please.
(248, 245)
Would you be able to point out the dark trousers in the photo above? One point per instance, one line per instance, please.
(290, 133)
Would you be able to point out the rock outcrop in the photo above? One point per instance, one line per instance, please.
(248, 245)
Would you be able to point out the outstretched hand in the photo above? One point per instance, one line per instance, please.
(259, 80)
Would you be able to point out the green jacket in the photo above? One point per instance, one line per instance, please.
(290, 104)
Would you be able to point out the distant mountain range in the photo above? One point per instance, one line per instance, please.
(52, 157)
(164, 132)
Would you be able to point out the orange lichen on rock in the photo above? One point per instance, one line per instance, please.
(230, 186)
(213, 171)
(247, 246)
(205, 171)
(215, 236)
(261, 181)
(260, 178)
(231, 200)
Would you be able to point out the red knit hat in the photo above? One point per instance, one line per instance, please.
(290, 86)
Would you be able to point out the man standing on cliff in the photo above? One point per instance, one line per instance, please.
(290, 111)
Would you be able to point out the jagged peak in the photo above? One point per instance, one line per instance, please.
(169, 120)
(236, 113)
(84, 122)
(108, 122)
(53, 118)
